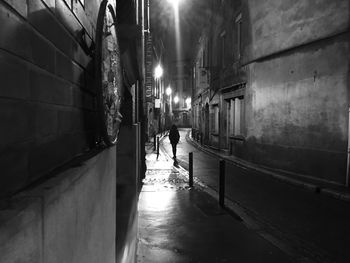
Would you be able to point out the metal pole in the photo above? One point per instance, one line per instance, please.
(222, 184)
(190, 179)
(347, 178)
(157, 147)
(154, 142)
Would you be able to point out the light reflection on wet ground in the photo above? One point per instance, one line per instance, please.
(165, 179)
(180, 224)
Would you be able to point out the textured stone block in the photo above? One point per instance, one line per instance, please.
(43, 52)
(14, 77)
(67, 18)
(16, 118)
(14, 33)
(43, 19)
(14, 167)
(47, 88)
(20, 6)
(67, 69)
(81, 15)
(83, 99)
(48, 155)
(46, 121)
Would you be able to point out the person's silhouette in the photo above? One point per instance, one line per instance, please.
(174, 138)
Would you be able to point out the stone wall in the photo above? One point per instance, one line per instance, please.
(273, 26)
(297, 88)
(47, 96)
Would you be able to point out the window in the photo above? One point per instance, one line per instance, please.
(238, 36)
(235, 116)
(215, 119)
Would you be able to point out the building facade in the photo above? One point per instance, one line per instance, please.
(71, 90)
(271, 85)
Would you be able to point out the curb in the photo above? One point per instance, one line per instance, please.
(309, 186)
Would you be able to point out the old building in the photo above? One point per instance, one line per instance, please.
(71, 89)
(271, 85)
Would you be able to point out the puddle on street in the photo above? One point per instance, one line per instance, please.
(165, 179)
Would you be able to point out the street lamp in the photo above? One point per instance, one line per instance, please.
(168, 91)
(188, 102)
(158, 71)
(176, 99)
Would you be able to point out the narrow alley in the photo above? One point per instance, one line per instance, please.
(305, 225)
(182, 224)
(96, 96)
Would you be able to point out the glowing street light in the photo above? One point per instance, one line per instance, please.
(188, 102)
(168, 91)
(158, 71)
(176, 99)
(175, 3)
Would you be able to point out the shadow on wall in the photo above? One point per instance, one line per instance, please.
(48, 99)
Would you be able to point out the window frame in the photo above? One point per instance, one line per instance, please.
(233, 96)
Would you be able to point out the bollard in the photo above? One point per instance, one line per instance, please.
(157, 147)
(190, 172)
(222, 184)
(154, 142)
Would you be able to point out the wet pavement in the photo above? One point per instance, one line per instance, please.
(308, 226)
(182, 224)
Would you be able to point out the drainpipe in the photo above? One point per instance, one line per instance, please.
(348, 161)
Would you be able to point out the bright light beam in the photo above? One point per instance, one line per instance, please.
(177, 36)
(175, 3)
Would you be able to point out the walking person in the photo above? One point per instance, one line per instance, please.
(174, 137)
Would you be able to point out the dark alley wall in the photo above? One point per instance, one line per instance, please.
(297, 92)
(47, 97)
(287, 62)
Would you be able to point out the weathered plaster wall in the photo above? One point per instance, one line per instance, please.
(275, 25)
(70, 218)
(297, 110)
(47, 96)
